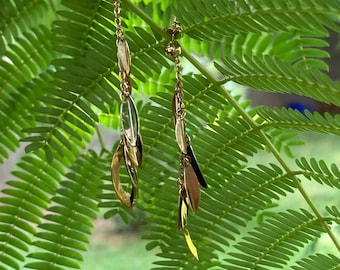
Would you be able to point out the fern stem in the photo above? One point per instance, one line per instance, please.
(300, 188)
(132, 7)
(52, 4)
(242, 113)
(101, 141)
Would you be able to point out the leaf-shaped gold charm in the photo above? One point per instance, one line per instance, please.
(124, 58)
(192, 187)
(180, 135)
(129, 120)
(178, 113)
(190, 244)
(195, 166)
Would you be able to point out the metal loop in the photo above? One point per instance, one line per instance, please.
(173, 50)
(122, 195)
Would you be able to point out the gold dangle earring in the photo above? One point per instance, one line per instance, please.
(190, 176)
(130, 146)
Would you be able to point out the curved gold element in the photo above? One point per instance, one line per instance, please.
(121, 194)
(123, 54)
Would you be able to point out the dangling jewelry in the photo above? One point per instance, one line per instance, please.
(130, 146)
(190, 176)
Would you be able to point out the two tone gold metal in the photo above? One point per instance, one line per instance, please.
(190, 176)
(130, 146)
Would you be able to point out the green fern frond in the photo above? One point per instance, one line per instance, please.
(59, 126)
(13, 121)
(22, 80)
(320, 172)
(234, 136)
(17, 17)
(334, 212)
(272, 244)
(23, 60)
(248, 191)
(318, 262)
(305, 50)
(22, 205)
(74, 30)
(291, 121)
(273, 74)
(67, 110)
(64, 235)
(211, 21)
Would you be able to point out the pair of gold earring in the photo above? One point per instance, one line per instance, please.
(130, 147)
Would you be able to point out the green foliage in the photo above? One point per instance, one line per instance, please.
(59, 83)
